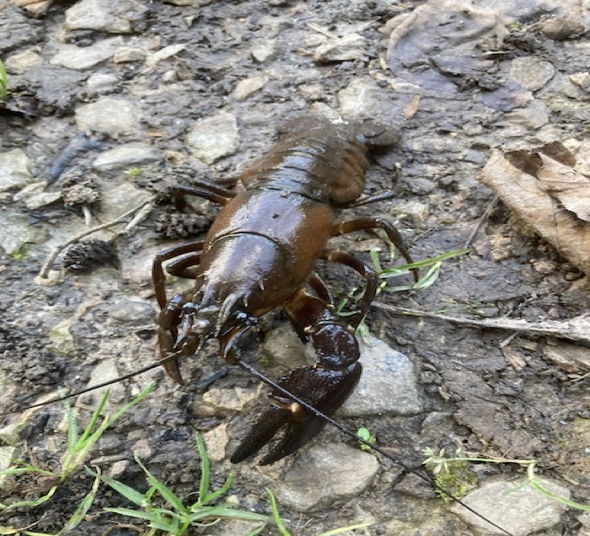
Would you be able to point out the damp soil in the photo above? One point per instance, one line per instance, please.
(495, 393)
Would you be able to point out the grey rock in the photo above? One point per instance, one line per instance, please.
(23, 62)
(104, 15)
(533, 116)
(323, 474)
(531, 73)
(388, 385)
(581, 80)
(264, 49)
(80, 58)
(251, 85)
(16, 231)
(220, 402)
(131, 312)
(214, 137)
(35, 197)
(349, 47)
(127, 54)
(126, 156)
(514, 506)
(570, 357)
(216, 441)
(101, 83)
(109, 115)
(105, 371)
(361, 98)
(120, 199)
(15, 170)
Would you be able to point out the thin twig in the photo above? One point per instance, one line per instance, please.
(51, 259)
(575, 329)
(486, 214)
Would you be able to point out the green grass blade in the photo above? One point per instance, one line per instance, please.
(227, 512)
(95, 415)
(72, 425)
(344, 529)
(204, 482)
(82, 510)
(256, 531)
(146, 516)
(148, 389)
(34, 502)
(168, 495)
(129, 493)
(221, 491)
(275, 513)
(564, 500)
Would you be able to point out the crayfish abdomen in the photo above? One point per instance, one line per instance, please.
(259, 255)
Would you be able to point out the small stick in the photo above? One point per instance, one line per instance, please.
(575, 329)
(486, 214)
(51, 259)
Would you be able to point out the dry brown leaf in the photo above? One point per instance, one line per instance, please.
(567, 185)
(548, 197)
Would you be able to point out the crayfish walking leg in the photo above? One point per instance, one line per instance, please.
(325, 385)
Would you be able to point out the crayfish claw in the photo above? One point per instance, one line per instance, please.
(322, 388)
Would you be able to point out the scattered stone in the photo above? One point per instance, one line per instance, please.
(15, 170)
(23, 62)
(570, 357)
(264, 49)
(220, 402)
(105, 371)
(581, 80)
(6, 455)
(564, 28)
(131, 312)
(415, 210)
(104, 15)
(214, 137)
(162, 54)
(349, 47)
(127, 54)
(16, 231)
(109, 115)
(192, 3)
(62, 340)
(42, 199)
(117, 469)
(533, 116)
(120, 199)
(514, 506)
(361, 99)
(388, 385)
(143, 449)
(35, 197)
(247, 87)
(531, 72)
(35, 7)
(216, 441)
(101, 83)
(80, 58)
(127, 156)
(324, 474)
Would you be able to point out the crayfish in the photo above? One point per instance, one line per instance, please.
(259, 255)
